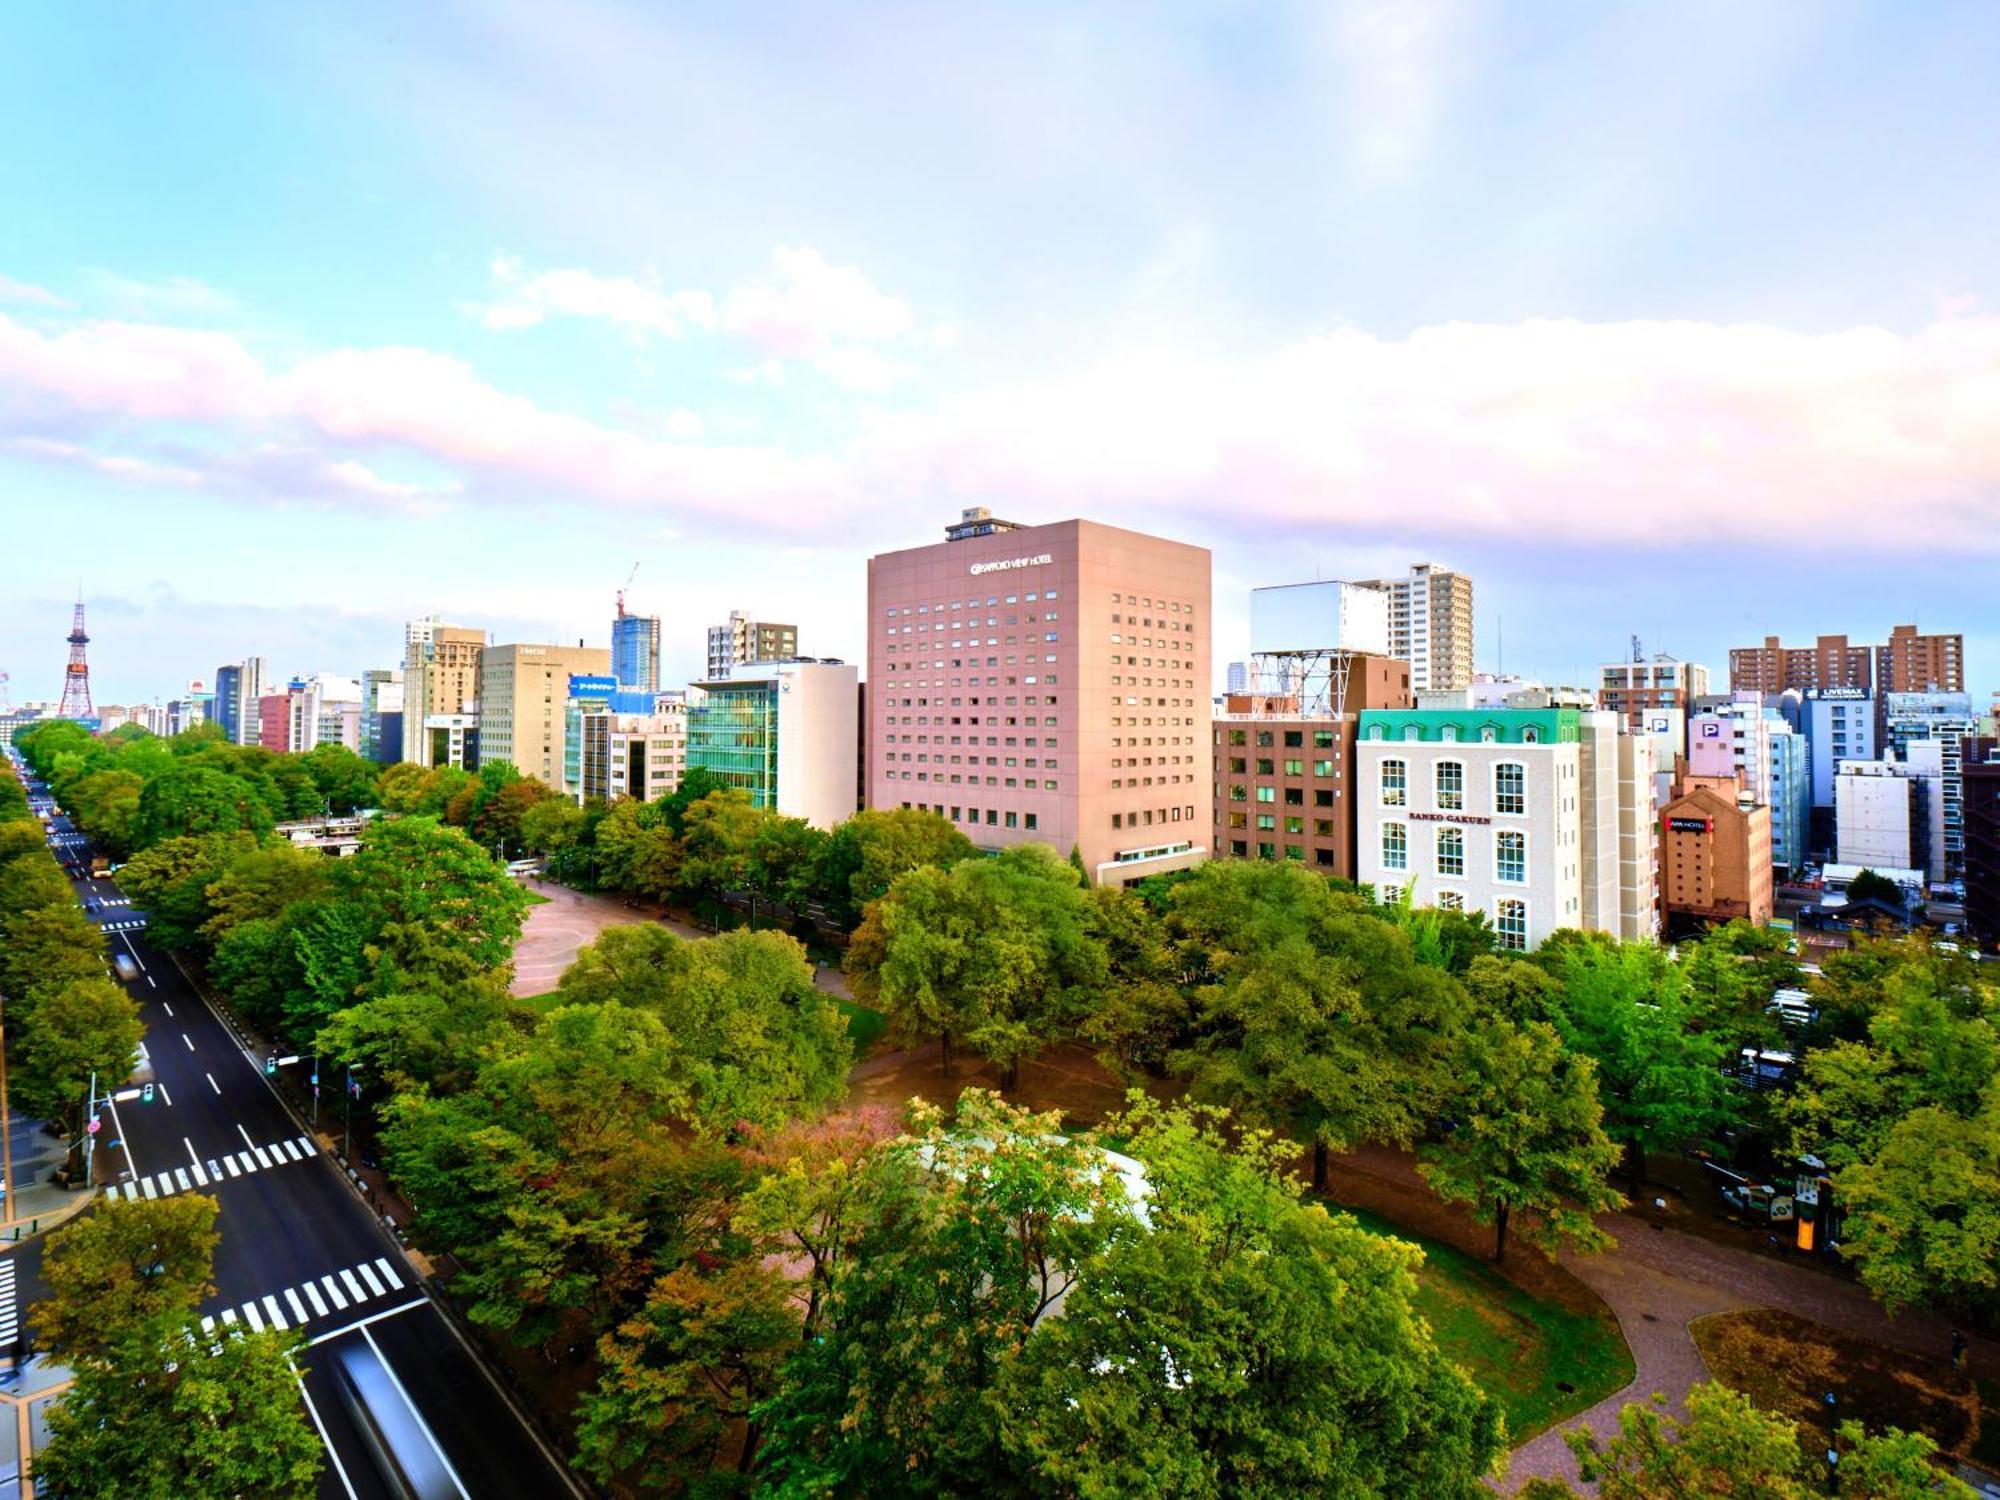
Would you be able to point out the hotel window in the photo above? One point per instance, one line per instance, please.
(1395, 847)
(1510, 858)
(1451, 851)
(1510, 788)
(1322, 768)
(1394, 774)
(1264, 765)
(1267, 794)
(1450, 785)
(1267, 821)
(1511, 923)
(1295, 768)
(1451, 901)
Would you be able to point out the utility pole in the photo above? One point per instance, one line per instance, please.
(90, 1132)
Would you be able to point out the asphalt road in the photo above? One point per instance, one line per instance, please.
(299, 1247)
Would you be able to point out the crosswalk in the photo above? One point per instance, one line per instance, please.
(312, 1299)
(124, 924)
(219, 1169)
(10, 1315)
(114, 900)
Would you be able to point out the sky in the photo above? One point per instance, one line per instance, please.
(1673, 321)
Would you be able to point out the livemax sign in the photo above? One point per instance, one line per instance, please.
(1011, 562)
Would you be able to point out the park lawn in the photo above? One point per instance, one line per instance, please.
(535, 898)
(865, 1026)
(1542, 1362)
(1787, 1364)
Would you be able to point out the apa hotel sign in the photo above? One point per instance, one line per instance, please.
(1011, 562)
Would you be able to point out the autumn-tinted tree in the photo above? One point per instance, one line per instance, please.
(83, 1028)
(1923, 1213)
(1525, 1141)
(126, 1271)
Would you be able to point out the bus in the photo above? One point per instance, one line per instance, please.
(404, 1452)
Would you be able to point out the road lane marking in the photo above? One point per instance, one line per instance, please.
(306, 1145)
(229, 1315)
(200, 1177)
(360, 1323)
(251, 1317)
(333, 1290)
(214, 1170)
(244, 1133)
(272, 1311)
(148, 1186)
(262, 1159)
(388, 1272)
(155, 984)
(169, 1010)
(164, 1095)
(299, 1313)
(191, 1156)
(190, 1044)
(353, 1285)
(313, 1296)
(213, 1084)
(230, 1162)
(292, 1151)
(375, 1287)
(181, 1176)
(324, 1441)
(126, 939)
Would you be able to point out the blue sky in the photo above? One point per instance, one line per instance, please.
(1676, 320)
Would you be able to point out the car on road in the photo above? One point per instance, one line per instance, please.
(405, 1454)
(127, 967)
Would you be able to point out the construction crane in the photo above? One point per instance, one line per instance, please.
(628, 584)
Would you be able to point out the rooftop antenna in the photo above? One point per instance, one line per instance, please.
(1638, 651)
(621, 593)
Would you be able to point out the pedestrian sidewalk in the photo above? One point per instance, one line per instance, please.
(39, 1203)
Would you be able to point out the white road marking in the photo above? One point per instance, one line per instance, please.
(313, 1296)
(230, 1162)
(200, 1177)
(155, 984)
(306, 1145)
(228, 1315)
(208, 1325)
(353, 1286)
(135, 954)
(292, 1151)
(360, 1323)
(191, 1156)
(299, 1313)
(388, 1272)
(324, 1441)
(272, 1311)
(148, 1186)
(333, 1290)
(244, 1133)
(214, 1170)
(164, 1095)
(190, 1045)
(375, 1287)
(262, 1159)
(213, 1084)
(181, 1176)
(169, 1010)
(250, 1317)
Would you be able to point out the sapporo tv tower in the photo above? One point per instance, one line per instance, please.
(76, 676)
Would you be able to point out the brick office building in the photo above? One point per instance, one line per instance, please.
(1284, 778)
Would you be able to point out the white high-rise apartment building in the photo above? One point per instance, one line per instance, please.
(742, 640)
(1430, 624)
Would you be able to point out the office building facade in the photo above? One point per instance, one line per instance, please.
(441, 684)
(635, 651)
(787, 733)
(1430, 624)
(1284, 778)
(523, 692)
(1979, 758)
(1715, 855)
(382, 715)
(1047, 684)
(1881, 812)
(1947, 721)
(1651, 697)
(741, 640)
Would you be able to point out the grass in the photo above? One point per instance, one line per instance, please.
(1787, 1364)
(1542, 1362)
(864, 1025)
(535, 898)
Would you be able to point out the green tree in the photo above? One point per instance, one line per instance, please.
(717, 844)
(1000, 952)
(170, 881)
(749, 1035)
(1242, 1344)
(196, 799)
(1527, 1139)
(344, 780)
(261, 883)
(1728, 1449)
(46, 947)
(864, 855)
(1923, 1215)
(83, 1027)
(126, 1271)
(222, 1421)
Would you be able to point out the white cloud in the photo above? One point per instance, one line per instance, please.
(808, 306)
(23, 293)
(530, 298)
(158, 296)
(1558, 431)
(1397, 61)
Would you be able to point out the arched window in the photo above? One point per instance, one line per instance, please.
(1395, 781)
(1510, 922)
(1510, 857)
(1395, 847)
(1510, 788)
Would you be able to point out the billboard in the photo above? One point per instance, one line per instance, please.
(1330, 616)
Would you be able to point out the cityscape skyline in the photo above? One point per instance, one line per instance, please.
(1651, 345)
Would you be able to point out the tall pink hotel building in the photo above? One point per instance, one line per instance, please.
(1046, 683)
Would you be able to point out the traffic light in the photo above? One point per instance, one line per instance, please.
(146, 1094)
(271, 1064)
